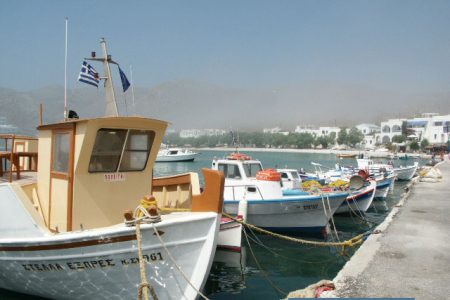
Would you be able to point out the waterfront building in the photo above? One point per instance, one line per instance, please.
(275, 130)
(195, 133)
(317, 131)
(389, 129)
(368, 129)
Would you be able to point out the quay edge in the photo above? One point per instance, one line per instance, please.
(409, 253)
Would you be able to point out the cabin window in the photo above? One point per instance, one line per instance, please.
(252, 169)
(129, 148)
(61, 149)
(135, 156)
(230, 171)
(107, 150)
(284, 175)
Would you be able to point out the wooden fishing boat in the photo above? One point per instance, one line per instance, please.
(67, 231)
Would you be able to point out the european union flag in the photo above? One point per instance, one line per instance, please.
(125, 82)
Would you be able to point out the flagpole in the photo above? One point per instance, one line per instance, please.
(65, 74)
(132, 90)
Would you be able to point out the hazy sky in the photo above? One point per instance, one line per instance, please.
(399, 45)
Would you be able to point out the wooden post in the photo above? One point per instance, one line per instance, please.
(40, 114)
(11, 158)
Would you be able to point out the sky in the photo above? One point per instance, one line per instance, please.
(385, 44)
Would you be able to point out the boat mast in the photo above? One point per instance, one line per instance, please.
(111, 104)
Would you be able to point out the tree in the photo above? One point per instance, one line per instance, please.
(398, 138)
(424, 144)
(355, 136)
(342, 136)
(414, 146)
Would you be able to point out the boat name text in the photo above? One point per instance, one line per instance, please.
(91, 264)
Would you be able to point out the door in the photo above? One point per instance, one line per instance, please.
(61, 179)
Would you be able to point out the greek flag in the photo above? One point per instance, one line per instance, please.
(88, 75)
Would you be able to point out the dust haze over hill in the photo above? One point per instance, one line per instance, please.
(193, 104)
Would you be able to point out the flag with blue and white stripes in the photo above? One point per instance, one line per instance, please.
(88, 75)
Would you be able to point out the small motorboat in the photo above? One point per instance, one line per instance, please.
(175, 155)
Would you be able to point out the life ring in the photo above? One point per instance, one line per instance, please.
(268, 175)
(238, 156)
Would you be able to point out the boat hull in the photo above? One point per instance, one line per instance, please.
(176, 158)
(230, 235)
(104, 264)
(290, 214)
(359, 201)
(406, 173)
(383, 187)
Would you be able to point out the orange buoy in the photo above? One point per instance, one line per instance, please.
(268, 175)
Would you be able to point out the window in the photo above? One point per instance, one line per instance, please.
(139, 143)
(252, 169)
(284, 175)
(61, 146)
(438, 123)
(110, 150)
(230, 171)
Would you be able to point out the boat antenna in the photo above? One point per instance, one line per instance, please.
(111, 104)
(132, 91)
(65, 72)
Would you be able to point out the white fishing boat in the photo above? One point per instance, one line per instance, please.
(175, 155)
(267, 205)
(406, 172)
(359, 200)
(62, 228)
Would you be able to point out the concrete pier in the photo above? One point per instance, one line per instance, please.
(410, 257)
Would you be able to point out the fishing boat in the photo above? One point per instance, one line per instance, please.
(267, 205)
(346, 155)
(406, 172)
(175, 155)
(68, 231)
(360, 199)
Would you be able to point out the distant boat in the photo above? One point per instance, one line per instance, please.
(346, 155)
(175, 155)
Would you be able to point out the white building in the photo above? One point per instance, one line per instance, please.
(389, 129)
(433, 127)
(195, 133)
(317, 131)
(368, 129)
(275, 130)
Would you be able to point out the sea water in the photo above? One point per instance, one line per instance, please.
(269, 268)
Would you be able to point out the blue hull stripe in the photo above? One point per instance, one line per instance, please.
(290, 199)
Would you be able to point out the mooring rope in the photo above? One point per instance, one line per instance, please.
(176, 265)
(344, 244)
(144, 286)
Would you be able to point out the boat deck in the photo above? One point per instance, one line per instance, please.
(26, 177)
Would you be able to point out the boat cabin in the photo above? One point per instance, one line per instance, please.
(90, 171)
(290, 179)
(245, 177)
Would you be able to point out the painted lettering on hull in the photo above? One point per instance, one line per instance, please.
(91, 264)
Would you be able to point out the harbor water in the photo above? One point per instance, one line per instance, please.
(269, 268)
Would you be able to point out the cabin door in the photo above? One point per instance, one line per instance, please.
(61, 179)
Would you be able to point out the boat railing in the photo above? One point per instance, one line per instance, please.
(246, 189)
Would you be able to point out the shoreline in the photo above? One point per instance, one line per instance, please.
(375, 154)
